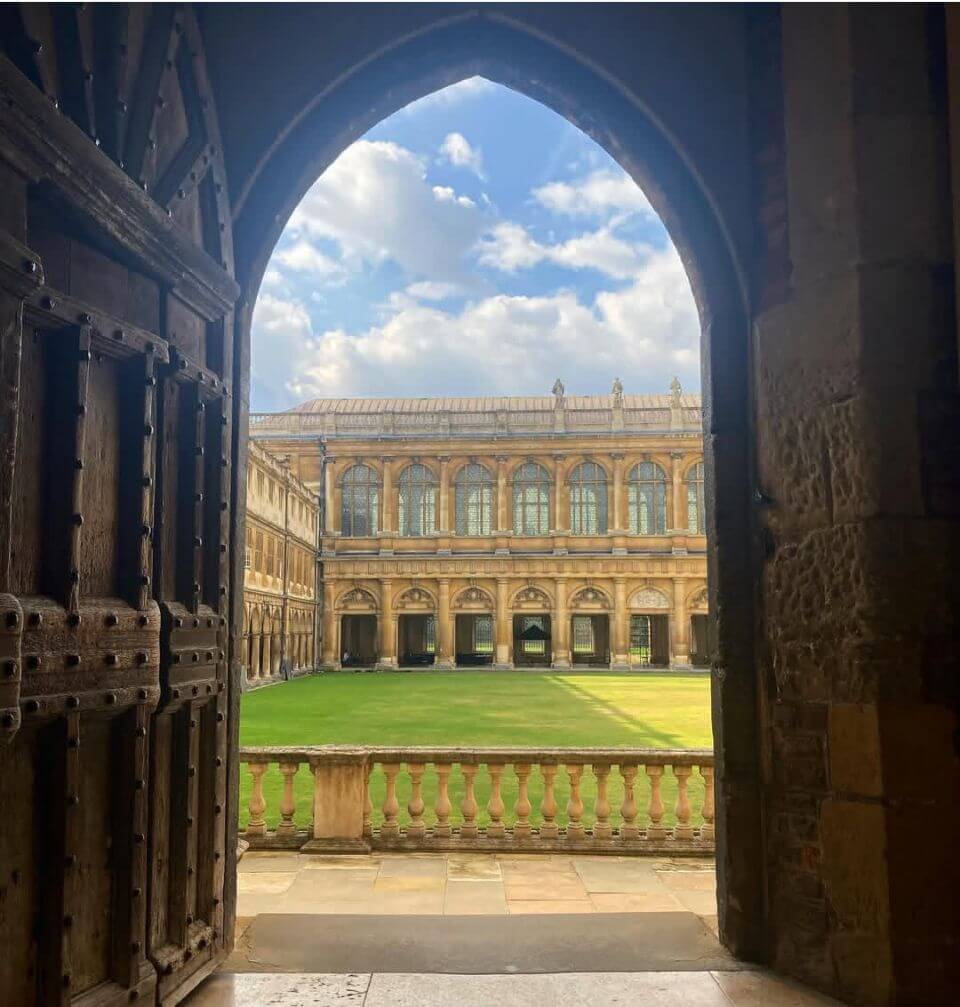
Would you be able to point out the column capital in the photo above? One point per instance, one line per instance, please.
(558, 457)
(502, 459)
(385, 458)
(443, 459)
(443, 581)
(617, 456)
(677, 455)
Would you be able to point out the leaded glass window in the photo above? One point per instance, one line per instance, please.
(418, 501)
(695, 512)
(641, 639)
(588, 500)
(583, 641)
(474, 500)
(531, 500)
(647, 498)
(360, 513)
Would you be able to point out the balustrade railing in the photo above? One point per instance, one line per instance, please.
(343, 799)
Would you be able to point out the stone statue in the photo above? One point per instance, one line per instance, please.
(558, 392)
(675, 391)
(617, 393)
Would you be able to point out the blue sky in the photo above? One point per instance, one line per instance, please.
(474, 243)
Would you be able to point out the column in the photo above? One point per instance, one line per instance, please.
(328, 524)
(621, 629)
(679, 497)
(330, 655)
(445, 644)
(503, 505)
(504, 641)
(560, 522)
(444, 493)
(386, 500)
(618, 517)
(561, 627)
(679, 626)
(386, 628)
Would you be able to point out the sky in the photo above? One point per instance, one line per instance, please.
(473, 243)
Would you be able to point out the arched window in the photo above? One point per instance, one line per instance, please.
(418, 501)
(588, 500)
(474, 500)
(360, 512)
(695, 511)
(531, 500)
(647, 497)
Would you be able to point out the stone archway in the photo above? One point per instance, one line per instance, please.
(358, 615)
(506, 52)
(532, 610)
(474, 614)
(649, 627)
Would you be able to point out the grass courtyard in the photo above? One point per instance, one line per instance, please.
(480, 709)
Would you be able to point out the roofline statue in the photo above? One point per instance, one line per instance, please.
(558, 394)
(675, 391)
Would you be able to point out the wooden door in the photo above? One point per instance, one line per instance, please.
(116, 452)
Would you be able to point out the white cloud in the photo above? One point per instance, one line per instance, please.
(508, 247)
(375, 202)
(463, 90)
(303, 257)
(444, 194)
(497, 345)
(457, 150)
(282, 336)
(430, 290)
(598, 194)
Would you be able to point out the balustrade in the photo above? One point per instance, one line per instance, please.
(490, 799)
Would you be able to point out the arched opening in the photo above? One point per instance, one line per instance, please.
(420, 501)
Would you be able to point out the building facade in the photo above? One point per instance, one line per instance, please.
(281, 573)
(528, 531)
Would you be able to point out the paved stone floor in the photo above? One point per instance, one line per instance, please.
(462, 884)
(569, 989)
(620, 893)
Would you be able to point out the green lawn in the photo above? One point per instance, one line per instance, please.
(542, 709)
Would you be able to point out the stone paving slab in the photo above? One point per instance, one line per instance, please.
(592, 989)
(480, 944)
(514, 884)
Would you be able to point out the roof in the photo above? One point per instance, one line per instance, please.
(491, 404)
(497, 416)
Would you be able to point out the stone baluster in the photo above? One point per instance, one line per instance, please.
(629, 830)
(444, 807)
(367, 804)
(288, 806)
(257, 824)
(495, 806)
(522, 829)
(655, 829)
(468, 806)
(391, 806)
(602, 829)
(548, 806)
(683, 829)
(416, 829)
(707, 831)
(575, 804)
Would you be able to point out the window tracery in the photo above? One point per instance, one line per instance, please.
(588, 500)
